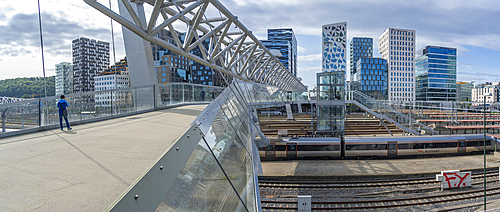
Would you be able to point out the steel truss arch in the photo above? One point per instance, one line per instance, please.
(234, 51)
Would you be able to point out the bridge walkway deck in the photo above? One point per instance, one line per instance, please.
(87, 168)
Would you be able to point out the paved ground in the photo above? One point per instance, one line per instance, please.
(376, 167)
(87, 168)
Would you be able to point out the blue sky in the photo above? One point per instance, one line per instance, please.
(473, 27)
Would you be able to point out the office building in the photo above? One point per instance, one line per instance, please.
(90, 58)
(436, 74)
(371, 77)
(169, 66)
(479, 91)
(360, 47)
(64, 78)
(115, 77)
(464, 91)
(284, 41)
(397, 47)
(205, 75)
(334, 39)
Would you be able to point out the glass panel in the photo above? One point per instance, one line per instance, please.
(177, 94)
(201, 185)
(144, 98)
(164, 95)
(188, 93)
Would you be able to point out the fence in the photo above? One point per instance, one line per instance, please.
(88, 106)
(213, 166)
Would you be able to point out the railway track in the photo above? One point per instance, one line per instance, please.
(383, 203)
(361, 183)
(372, 194)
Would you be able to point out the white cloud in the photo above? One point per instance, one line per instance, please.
(309, 58)
(301, 49)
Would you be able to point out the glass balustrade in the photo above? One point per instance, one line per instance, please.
(42, 112)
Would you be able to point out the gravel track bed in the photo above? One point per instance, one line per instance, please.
(386, 192)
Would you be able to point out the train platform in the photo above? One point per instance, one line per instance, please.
(345, 168)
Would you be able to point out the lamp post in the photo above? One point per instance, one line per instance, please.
(484, 144)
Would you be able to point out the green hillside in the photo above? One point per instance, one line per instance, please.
(26, 87)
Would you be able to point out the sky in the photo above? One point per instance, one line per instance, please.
(473, 27)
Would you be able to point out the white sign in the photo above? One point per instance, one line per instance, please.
(282, 132)
(454, 179)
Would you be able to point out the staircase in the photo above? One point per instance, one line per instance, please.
(300, 126)
(357, 124)
(385, 112)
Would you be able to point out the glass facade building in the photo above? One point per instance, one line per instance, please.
(464, 91)
(360, 47)
(284, 41)
(436, 72)
(371, 77)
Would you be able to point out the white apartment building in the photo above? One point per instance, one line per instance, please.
(397, 46)
(120, 79)
(64, 78)
(480, 90)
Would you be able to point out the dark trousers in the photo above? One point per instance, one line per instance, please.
(60, 121)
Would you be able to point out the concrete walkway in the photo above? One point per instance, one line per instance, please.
(87, 168)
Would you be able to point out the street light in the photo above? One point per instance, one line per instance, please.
(484, 144)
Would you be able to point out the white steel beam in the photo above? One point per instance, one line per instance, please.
(232, 51)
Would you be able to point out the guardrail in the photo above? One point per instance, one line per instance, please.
(214, 164)
(43, 113)
(383, 109)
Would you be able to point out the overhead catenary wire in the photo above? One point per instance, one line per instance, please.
(112, 37)
(41, 45)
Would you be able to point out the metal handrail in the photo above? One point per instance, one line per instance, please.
(363, 99)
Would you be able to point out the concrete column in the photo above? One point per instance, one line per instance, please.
(139, 53)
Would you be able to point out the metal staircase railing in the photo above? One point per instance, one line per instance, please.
(388, 111)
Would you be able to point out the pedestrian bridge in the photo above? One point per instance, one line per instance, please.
(133, 156)
(87, 168)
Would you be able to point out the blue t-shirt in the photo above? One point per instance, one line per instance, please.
(62, 105)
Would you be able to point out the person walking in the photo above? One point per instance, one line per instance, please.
(63, 112)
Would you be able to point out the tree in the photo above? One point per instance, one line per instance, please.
(27, 86)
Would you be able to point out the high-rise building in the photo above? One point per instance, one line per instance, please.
(334, 47)
(397, 47)
(371, 77)
(331, 81)
(464, 91)
(283, 40)
(436, 72)
(64, 78)
(360, 47)
(90, 58)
